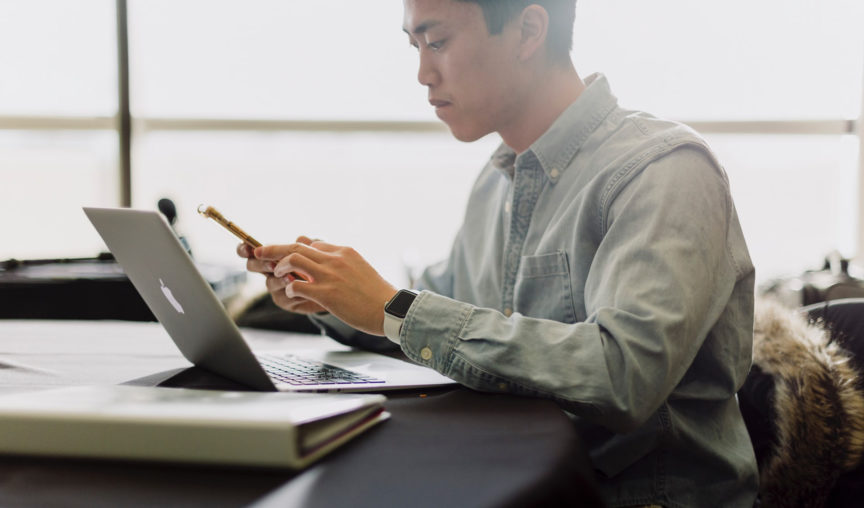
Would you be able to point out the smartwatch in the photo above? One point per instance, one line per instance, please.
(395, 311)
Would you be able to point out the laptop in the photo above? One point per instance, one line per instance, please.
(160, 268)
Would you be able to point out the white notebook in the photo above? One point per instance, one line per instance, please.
(268, 429)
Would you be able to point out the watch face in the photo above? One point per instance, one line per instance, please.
(400, 303)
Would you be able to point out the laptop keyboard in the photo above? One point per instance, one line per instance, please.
(297, 371)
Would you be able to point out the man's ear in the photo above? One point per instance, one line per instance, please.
(534, 27)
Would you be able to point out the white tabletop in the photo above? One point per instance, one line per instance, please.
(35, 353)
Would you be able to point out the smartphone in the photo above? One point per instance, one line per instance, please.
(214, 214)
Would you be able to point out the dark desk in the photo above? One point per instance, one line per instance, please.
(92, 288)
(441, 448)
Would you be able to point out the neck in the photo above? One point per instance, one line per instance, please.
(550, 93)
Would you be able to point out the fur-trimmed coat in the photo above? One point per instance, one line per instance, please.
(803, 406)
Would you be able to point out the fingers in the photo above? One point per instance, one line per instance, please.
(286, 267)
(324, 246)
(264, 259)
(302, 290)
(277, 252)
(252, 263)
(276, 286)
(273, 251)
(260, 266)
(244, 251)
(297, 264)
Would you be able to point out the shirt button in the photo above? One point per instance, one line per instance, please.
(507, 207)
(554, 173)
(426, 353)
(508, 311)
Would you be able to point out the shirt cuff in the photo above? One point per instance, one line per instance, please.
(431, 329)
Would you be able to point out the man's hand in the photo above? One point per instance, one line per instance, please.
(276, 285)
(337, 280)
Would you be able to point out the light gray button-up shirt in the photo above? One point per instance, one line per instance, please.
(605, 268)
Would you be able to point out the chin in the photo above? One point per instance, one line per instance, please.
(467, 135)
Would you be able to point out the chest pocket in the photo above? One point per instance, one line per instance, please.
(543, 288)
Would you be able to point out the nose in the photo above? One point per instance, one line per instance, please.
(427, 74)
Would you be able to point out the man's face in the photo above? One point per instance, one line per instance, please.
(472, 77)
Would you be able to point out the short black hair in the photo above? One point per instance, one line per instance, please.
(562, 15)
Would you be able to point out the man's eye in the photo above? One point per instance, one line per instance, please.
(436, 46)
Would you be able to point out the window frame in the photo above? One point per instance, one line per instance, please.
(126, 126)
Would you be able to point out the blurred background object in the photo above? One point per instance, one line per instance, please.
(831, 282)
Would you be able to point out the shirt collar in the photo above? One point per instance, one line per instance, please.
(559, 144)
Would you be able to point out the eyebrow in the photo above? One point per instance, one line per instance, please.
(422, 27)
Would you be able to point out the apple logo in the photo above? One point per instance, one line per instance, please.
(170, 297)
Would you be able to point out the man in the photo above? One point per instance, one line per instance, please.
(600, 263)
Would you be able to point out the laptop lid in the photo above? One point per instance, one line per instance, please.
(183, 302)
